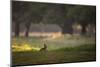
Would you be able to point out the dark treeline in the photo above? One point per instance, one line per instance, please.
(46, 13)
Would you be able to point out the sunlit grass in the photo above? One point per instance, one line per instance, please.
(23, 47)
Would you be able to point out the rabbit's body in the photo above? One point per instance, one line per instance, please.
(44, 48)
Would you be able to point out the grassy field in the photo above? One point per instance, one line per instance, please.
(60, 50)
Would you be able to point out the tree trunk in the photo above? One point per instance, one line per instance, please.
(67, 26)
(83, 29)
(27, 32)
(27, 29)
(56, 14)
(17, 29)
(67, 29)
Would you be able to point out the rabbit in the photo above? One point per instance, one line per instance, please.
(44, 48)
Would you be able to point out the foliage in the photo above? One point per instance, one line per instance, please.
(83, 13)
(61, 14)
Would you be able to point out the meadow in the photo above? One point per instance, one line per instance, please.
(60, 50)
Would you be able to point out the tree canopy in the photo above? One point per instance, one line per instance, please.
(62, 14)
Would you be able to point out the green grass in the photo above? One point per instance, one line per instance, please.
(81, 53)
(59, 51)
(57, 43)
(85, 47)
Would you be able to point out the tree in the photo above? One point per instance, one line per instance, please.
(17, 15)
(56, 14)
(35, 14)
(27, 13)
(61, 14)
(83, 14)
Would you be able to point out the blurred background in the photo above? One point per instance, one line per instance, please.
(29, 18)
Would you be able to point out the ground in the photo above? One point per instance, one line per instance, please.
(60, 50)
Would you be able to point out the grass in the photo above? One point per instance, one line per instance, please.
(59, 51)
